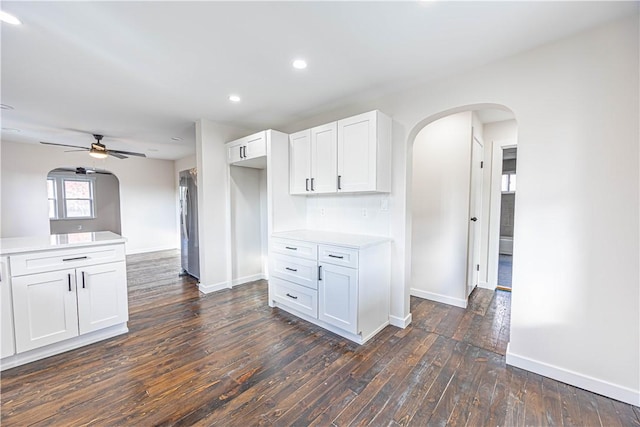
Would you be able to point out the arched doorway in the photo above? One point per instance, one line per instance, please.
(452, 199)
(83, 199)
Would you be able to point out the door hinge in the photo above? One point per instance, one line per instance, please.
(481, 164)
(477, 267)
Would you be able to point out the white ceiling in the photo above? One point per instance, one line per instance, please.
(143, 72)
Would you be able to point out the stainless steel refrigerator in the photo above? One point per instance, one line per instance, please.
(189, 223)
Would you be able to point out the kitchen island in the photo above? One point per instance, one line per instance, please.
(60, 292)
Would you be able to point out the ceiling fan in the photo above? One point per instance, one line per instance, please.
(99, 150)
(82, 171)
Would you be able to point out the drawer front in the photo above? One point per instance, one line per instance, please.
(295, 248)
(294, 269)
(299, 298)
(40, 262)
(337, 255)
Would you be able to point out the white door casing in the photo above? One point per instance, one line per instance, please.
(475, 212)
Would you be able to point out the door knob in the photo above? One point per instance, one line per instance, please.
(474, 219)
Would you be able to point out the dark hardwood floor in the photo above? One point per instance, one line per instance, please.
(227, 359)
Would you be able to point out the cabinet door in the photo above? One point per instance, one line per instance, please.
(102, 296)
(233, 153)
(338, 297)
(357, 141)
(45, 308)
(7, 346)
(324, 161)
(300, 162)
(255, 146)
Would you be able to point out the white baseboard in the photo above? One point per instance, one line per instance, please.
(577, 379)
(445, 299)
(400, 322)
(63, 346)
(146, 250)
(247, 279)
(207, 289)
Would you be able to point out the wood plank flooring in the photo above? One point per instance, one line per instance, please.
(227, 359)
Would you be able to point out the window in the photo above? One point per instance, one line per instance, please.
(508, 183)
(53, 200)
(70, 197)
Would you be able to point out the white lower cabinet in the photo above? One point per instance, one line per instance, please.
(102, 301)
(342, 287)
(55, 306)
(338, 289)
(7, 346)
(59, 299)
(45, 308)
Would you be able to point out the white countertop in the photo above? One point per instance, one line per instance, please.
(13, 245)
(357, 241)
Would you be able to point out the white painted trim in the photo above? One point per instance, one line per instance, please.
(247, 279)
(207, 289)
(63, 346)
(494, 209)
(400, 322)
(147, 250)
(445, 299)
(577, 379)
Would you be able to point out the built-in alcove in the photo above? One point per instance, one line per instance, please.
(82, 200)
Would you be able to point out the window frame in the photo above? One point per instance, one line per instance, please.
(54, 198)
(61, 199)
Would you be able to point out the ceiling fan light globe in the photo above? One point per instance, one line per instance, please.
(98, 154)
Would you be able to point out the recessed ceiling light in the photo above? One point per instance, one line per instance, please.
(176, 138)
(300, 64)
(9, 19)
(234, 98)
(10, 130)
(6, 107)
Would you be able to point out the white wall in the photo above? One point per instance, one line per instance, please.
(440, 210)
(147, 200)
(247, 222)
(213, 213)
(575, 306)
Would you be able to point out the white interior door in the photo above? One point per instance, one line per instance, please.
(475, 212)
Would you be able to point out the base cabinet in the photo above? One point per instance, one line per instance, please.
(344, 289)
(46, 309)
(55, 306)
(7, 346)
(61, 299)
(338, 289)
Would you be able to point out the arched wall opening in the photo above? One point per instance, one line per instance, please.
(83, 199)
(449, 252)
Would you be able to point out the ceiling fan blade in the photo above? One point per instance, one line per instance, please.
(116, 154)
(73, 151)
(128, 153)
(62, 145)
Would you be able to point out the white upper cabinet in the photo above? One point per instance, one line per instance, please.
(324, 161)
(364, 153)
(249, 151)
(350, 155)
(300, 162)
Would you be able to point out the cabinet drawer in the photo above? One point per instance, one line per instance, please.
(295, 269)
(295, 248)
(40, 262)
(299, 298)
(338, 256)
